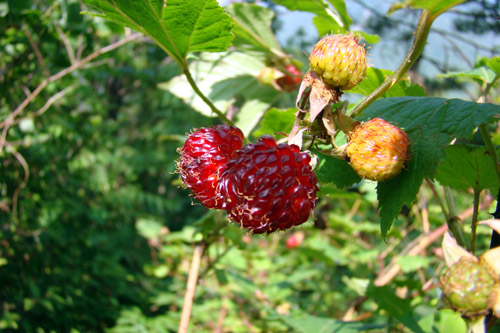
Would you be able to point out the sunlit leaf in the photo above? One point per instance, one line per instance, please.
(178, 26)
(375, 77)
(484, 74)
(434, 6)
(252, 25)
(466, 167)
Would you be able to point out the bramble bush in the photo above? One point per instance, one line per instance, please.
(98, 235)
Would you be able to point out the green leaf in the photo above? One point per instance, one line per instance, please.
(224, 77)
(412, 263)
(395, 306)
(148, 229)
(484, 74)
(436, 7)
(375, 77)
(334, 170)
(431, 124)
(252, 25)
(444, 320)
(276, 120)
(388, 301)
(177, 26)
(302, 322)
(494, 64)
(466, 167)
(331, 16)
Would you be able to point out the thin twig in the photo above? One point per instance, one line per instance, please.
(7, 123)
(46, 106)
(38, 54)
(15, 197)
(67, 44)
(420, 243)
(190, 288)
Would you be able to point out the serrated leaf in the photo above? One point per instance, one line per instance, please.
(334, 170)
(436, 7)
(253, 26)
(178, 26)
(466, 167)
(484, 74)
(329, 19)
(431, 124)
(276, 120)
(375, 77)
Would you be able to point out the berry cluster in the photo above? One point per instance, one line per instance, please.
(264, 186)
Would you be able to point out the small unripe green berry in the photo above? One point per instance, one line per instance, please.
(470, 287)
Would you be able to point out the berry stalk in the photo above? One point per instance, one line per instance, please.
(205, 99)
(419, 42)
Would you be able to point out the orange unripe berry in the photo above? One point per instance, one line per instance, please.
(377, 150)
(340, 60)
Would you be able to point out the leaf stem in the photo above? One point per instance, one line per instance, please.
(453, 219)
(205, 99)
(491, 148)
(421, 33)
(472, 245)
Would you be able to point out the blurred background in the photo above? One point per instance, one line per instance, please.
(96, 231)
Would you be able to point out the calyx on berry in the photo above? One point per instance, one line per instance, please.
(204, 156)
(268, 186)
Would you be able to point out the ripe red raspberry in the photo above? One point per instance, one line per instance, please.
(291, 80)
(340, 60)
(203, 156)
(268, 186)
(377, 150)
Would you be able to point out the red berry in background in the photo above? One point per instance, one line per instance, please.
(295, 239)
(291, 80)
(377, 150)
(268, 186)
(283, 80)
(203, 156)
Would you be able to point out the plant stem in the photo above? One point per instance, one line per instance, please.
(205, 99)
(491, 148)
(421, 33)
(472, 245)
(191, 288)
(452, 219)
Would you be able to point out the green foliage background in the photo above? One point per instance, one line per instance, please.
(96, 233)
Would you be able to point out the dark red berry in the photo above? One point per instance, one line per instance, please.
(203, 156)
(268, 186)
